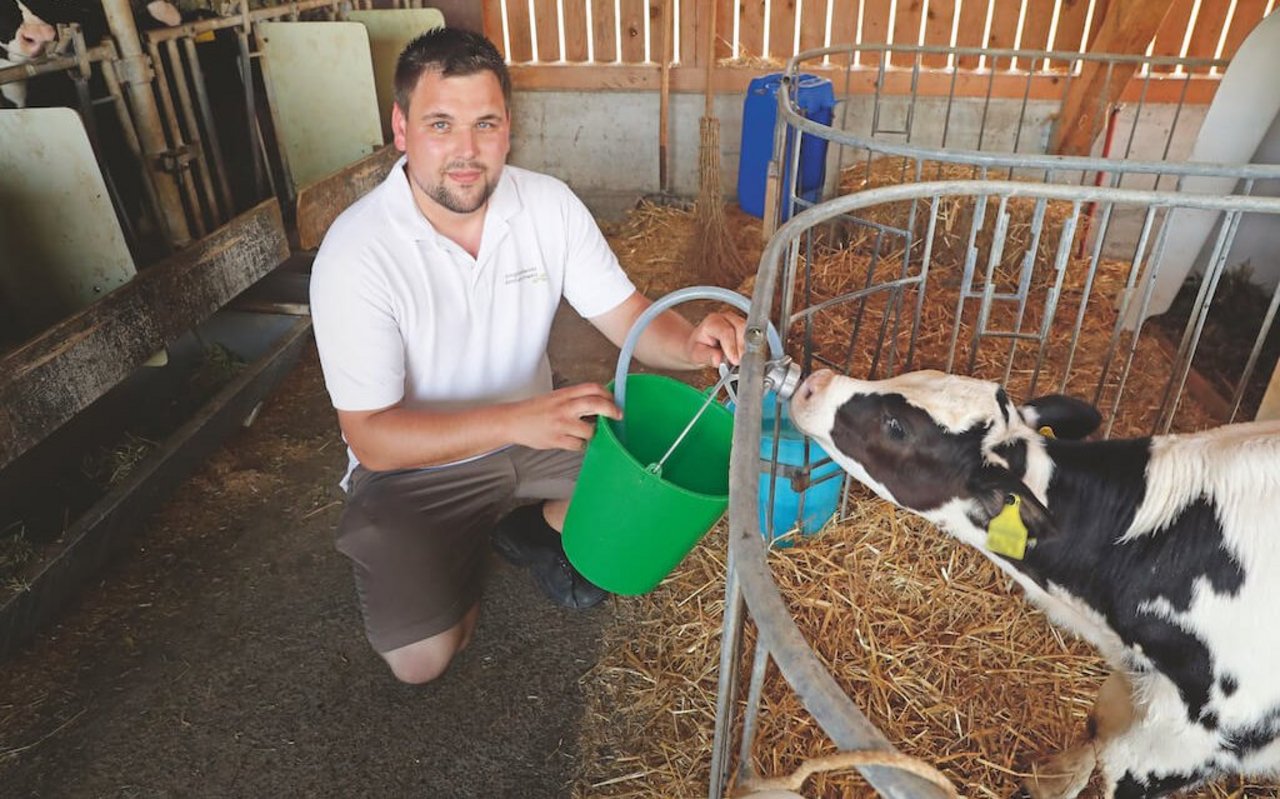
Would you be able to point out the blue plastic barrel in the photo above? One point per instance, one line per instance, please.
(816, 99)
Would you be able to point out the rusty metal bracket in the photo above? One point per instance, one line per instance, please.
(176, 159)
(133, 70)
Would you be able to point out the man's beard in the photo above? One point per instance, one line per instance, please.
(441, 193)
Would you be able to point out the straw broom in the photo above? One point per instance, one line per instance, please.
(714, 253)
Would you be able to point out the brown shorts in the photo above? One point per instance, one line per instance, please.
(418, 538)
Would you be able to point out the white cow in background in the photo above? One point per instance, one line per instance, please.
(23, 36)
(27, 31)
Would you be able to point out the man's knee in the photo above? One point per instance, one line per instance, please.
(426, 660)
(418, 668)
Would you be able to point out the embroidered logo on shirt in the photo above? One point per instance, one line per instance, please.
(534, 273)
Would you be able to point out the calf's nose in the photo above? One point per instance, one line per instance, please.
(33, 35)
(814, 384)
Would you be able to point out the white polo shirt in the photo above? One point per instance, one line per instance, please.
(403, 314)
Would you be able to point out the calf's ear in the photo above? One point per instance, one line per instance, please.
(994, 487)
(1065, 417)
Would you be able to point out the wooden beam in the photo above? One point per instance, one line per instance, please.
(59, 373)
(687, 78)
(107, 526)
(321, 202)
(1127, 28)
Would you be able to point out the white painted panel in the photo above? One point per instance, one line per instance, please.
(1243, 109)
(390, 29)
(321, 77)
(61, 246)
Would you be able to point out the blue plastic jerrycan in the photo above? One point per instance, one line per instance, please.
(815, 97)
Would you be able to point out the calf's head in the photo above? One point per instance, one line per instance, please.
(954, 449)
(23, 35)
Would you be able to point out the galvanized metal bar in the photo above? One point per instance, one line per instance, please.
(254, 133)
(136, 76)
(1137, 115)
(193, 136)
(966, 278)
(946, 117)
(1095, 259)
(727, 677)
(210, 127)
(90, 119)
(914, 94)
(989, 285)
(877, 146)
(1022, 118)
(1195, 325)
(1024, 283)
(55, 63)
(986, 108)
(1135, 266)
(1135, 272)
(150, 193)
(1259, 341)
(242, 17)
(178, 165)
(877, 99)
(755, 689)
(923, 282)
(1061, 258)
(1173, 126)
(856, 328)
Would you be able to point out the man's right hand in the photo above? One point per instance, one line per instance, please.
(563, 419)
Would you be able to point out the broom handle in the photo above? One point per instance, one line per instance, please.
(664, 104)
(711, 54)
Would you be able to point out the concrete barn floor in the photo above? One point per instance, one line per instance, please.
(223, 656)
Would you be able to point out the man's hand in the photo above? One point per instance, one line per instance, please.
(563, 419)
(719, 336)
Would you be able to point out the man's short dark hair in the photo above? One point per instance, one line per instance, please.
(451, 52)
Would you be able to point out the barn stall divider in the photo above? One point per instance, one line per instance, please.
(941, 236)
(885, 303)
(136, 353)
(908, 114)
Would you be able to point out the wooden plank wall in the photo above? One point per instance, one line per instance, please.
(604, 33)
(779, 19)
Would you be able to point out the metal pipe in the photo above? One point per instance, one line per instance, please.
(210, 126)
(193, 131)
(135, 146)
(44, 66)
(136, 74)
(290, 191)
(243, 17)
(178, 150)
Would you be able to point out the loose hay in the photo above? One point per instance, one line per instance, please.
(937, 647)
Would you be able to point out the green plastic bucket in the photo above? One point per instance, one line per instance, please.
(627, 527)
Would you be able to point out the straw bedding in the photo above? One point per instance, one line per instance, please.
(938, 649)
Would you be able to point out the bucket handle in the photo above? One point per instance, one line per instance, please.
(728, 296)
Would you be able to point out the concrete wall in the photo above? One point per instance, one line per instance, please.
(605, 144)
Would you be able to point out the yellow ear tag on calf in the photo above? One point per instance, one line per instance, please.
(1006, 534)
(1046, 431)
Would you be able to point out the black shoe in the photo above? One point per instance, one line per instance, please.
(524, 538)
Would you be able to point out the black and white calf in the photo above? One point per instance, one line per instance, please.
(23, 37)
(1163, 552)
